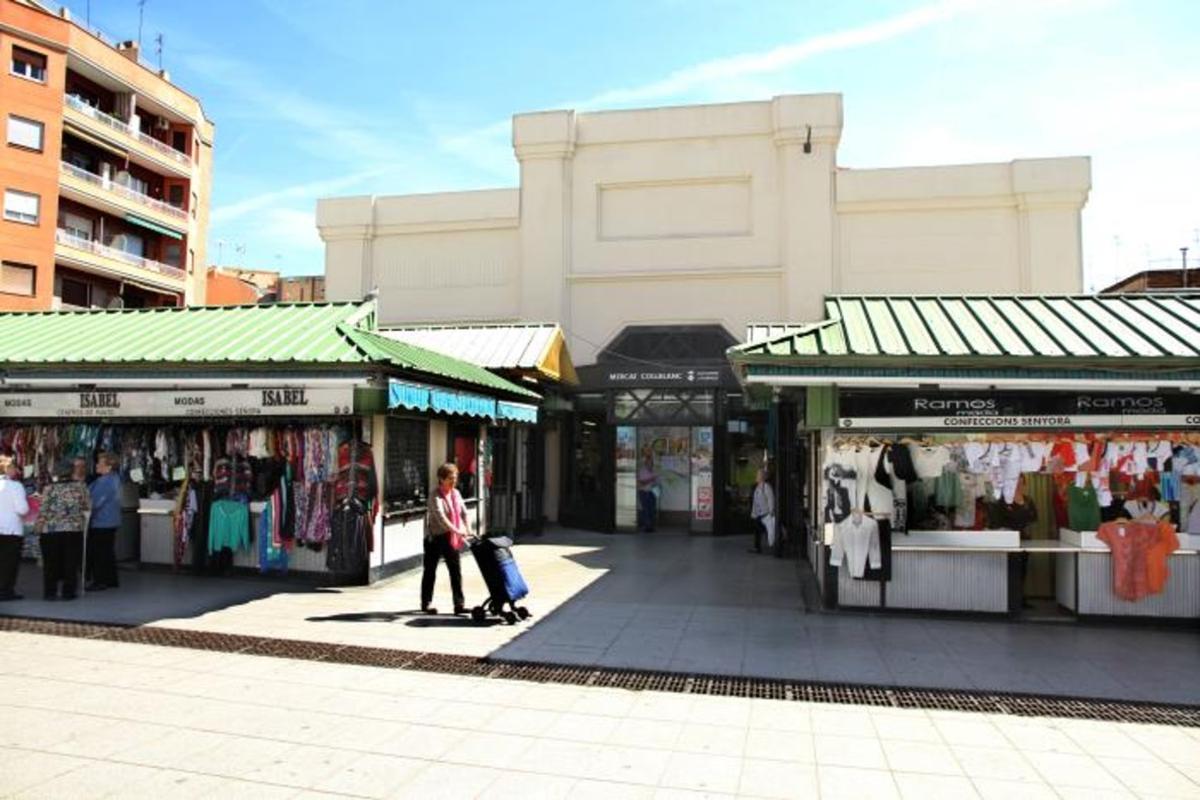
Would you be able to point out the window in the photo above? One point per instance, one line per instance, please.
(17, 278)
(194, 203)
(179, 141)
(175, 195)
(191, 265)
(406, 481)
(21, 206)
(76, 293)
(25, 132)
(28, 64)
(76, 225)
(172, 254)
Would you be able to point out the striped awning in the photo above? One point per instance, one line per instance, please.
(419, 397)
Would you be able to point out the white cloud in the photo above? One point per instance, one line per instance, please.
(312, 189)
(722, 78)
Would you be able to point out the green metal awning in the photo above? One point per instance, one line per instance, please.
(925, 333)
(278, 334)
(152, 226)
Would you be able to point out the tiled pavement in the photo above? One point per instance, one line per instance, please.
(672, 603)
(86, 718)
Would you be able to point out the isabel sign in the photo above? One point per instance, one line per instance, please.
(111, 403)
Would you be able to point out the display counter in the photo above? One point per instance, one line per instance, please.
(964, 571)
(980, 572)
(158, 541)
(1083, 577)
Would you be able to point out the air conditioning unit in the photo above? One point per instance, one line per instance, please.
(162, 124)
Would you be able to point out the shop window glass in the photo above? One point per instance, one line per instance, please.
(21, 206)
(663, 405)
(464, 452)
(406, 481)
(28, 64)
(17, 278)
(26, 133)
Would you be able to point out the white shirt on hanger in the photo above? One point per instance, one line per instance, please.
(856, 541)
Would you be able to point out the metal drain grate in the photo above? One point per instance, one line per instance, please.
(629, 679)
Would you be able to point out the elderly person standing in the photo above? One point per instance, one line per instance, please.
(446, 532)
(13, 506)
(105, 493)
(61, 520)
(762, 509)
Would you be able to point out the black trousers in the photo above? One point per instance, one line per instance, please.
(436, 549)
(62, 556)
(102, 556)
(759, 533)
(10, 561)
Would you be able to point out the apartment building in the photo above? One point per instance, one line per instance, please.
(105, 171)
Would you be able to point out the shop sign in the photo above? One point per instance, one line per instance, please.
(625, 377)
(116, 403)
(1000, 410)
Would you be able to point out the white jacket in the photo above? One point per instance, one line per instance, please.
(13, 506)
(856, 543)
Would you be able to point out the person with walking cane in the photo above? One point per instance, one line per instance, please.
(61, 523)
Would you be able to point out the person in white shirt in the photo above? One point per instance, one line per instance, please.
(13, 506)
(762, 510)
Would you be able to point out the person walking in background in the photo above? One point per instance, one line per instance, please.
(446, 532)
(13, 506)
(61, 521)
(762, 510)
(105, 494)
(647, 494)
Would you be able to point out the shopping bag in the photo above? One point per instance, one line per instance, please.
(768, 521)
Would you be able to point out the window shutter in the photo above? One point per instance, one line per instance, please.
(16, 279)
(25, 132)
(21, 205)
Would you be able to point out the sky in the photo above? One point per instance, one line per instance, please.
(319, 99)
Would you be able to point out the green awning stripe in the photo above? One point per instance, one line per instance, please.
(934, 374)
(152, 226)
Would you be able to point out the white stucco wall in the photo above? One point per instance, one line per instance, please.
(719, 213)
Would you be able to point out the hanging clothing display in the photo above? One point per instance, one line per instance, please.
(856, 544)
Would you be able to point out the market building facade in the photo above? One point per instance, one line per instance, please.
(654, 237)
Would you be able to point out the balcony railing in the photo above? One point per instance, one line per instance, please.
(115, 186)
(126, 128)
(69, 239)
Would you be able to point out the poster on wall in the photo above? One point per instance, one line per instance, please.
(702, 473)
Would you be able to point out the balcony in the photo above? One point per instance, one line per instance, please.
(92, 256)
(159, 153)
(115, 197)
